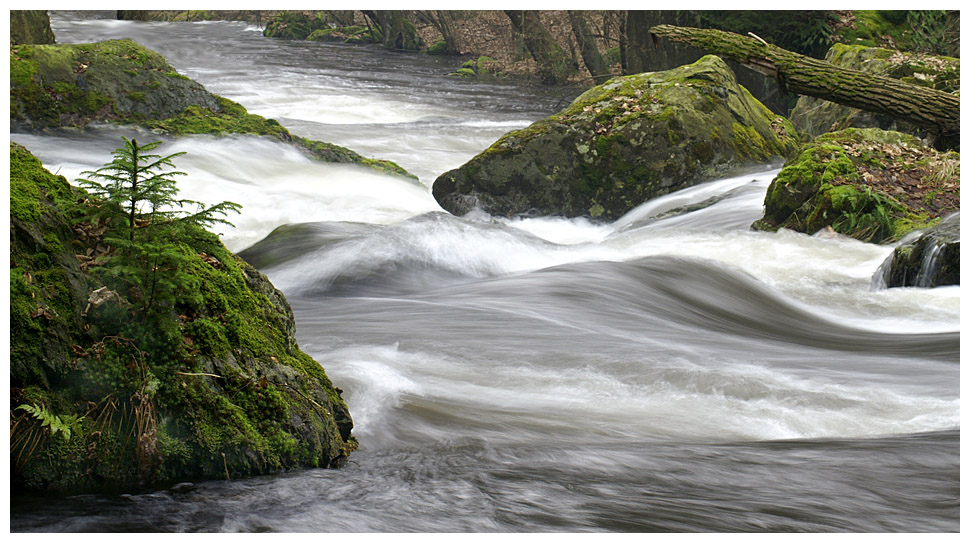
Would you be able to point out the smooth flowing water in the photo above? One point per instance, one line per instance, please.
(671, 371)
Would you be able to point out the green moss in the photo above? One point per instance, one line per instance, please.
(878, 28)
(30, 182)
(438, 48)
(822, 186)
(176, 75)
(219, 370)
(209, 337)
(231, 119)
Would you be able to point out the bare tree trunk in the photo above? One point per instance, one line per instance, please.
(442, 21)
(554, 67)
(131, 15)
(597, 68)
(399, 33)
(935, 111)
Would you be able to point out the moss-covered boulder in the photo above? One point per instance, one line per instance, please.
(930, 259)
(74, 85)
(30, 26)
(870, 184)
(621, 143)
(816, 116)
(119, 81)
(106, 395)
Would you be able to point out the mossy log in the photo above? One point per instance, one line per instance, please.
(935, 111)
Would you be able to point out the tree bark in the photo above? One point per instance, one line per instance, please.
(131, 15)
(554, 67)
(399, 34)
(935, 111)
(587, 47)
(442, 21)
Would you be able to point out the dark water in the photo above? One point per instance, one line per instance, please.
(672, 371)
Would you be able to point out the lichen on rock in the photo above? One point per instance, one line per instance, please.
(620, 144)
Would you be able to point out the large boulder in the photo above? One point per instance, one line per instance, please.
(104, 395)
(816, 116)
(74, 85)
(930, 259)
(870, 184)
(621, 143)
(119, 81)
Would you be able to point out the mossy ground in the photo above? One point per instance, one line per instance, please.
(208, 386)
(870, 184)
(876, 28)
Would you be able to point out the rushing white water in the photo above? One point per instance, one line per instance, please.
(545, 373)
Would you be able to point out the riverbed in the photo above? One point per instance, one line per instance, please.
(671, 371)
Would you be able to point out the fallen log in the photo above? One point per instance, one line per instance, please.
(935, 111)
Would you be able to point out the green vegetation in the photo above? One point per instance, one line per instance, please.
(147, 257)
(869, 184)
(927, 31)
(804, 31)
(142, 351)
(481, 66)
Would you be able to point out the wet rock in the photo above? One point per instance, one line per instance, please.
(620, 144)
(930, 259)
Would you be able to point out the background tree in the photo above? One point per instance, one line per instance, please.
(399, 33)
(597, 68)
(443, 22)
(554, 67)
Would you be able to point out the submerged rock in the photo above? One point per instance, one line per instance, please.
(104, 396)
(929, 259)
(621, 143)
(870, 184)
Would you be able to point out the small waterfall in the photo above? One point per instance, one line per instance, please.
(931, 264)
(928, 259)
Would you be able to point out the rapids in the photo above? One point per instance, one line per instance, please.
(671, 371)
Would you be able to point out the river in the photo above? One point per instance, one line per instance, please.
(671, 371)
